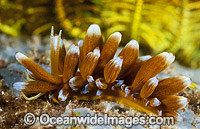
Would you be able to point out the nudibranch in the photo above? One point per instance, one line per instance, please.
(91, 70)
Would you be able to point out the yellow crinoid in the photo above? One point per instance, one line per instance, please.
(89, 71)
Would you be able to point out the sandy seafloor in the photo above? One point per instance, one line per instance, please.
(13, 106)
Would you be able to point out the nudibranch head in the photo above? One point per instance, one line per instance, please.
(90, 70)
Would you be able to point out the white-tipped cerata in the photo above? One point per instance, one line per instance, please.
(90, 79)
(55, 41)
(19, 56)
(93, 30)
(168, 56)
(61, 97)
(19, 85)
